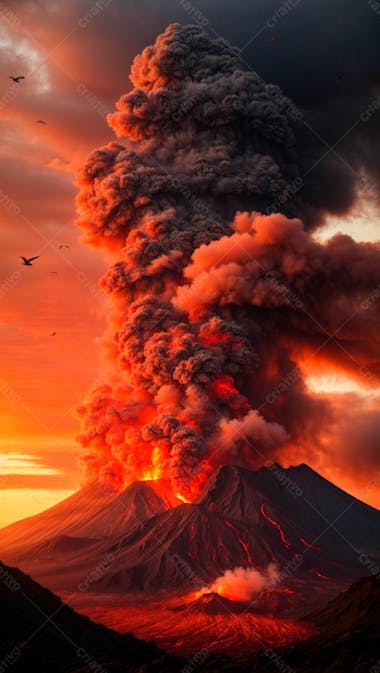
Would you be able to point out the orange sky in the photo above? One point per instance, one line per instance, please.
(73, 77)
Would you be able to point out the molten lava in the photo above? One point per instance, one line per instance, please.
(224, 391)
(155, 470)
(308, 544)
(241, 542)
(181, 497)
(318, 574)
(226, 591)
(276, 525)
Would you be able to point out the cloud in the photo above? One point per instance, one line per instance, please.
(211, 312)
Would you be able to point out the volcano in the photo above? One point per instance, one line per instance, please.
(143, 561)
(313, 531)
(249, 519)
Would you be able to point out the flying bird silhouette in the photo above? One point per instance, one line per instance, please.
(27, 261)
(17, 79)
(53, 334)
(40, 121)
(54, 273)
(63, 246)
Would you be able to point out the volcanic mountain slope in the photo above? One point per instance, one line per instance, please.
(247, 519)
(292, 517)
(40, 633)
(94, 513)
(56, 520)
(349, 637)
(300, 492)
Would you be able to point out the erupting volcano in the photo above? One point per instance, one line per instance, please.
(217, 570)
(218, 308)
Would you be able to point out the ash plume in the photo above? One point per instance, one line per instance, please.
(213, 303)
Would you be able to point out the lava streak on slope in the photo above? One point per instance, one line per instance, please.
(241, 542)
(316, 572)
(276, 525)
(308, 544)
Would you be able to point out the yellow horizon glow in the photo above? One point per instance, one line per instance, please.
(16, 503)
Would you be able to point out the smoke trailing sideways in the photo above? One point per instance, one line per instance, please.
(215, 303)
(242, 584)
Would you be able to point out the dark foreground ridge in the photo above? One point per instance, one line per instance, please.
(40, 633)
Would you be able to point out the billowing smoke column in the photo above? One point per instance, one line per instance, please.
(212, 306)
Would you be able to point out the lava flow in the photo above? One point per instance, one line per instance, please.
(308, 544)
(241, 542)
(276, 525)
(318, 574)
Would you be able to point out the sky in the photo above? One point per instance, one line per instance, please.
(76, 57)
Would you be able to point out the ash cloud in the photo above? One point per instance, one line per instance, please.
(212, 304)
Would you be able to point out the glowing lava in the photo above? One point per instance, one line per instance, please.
(241, 542)
(225, 590)
(154, 471)
(181, 497)
(276, 525)
(308, 544)
(318, 574)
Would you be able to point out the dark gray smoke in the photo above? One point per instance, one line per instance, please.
(211, 308)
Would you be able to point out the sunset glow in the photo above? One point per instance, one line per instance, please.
(281, 382)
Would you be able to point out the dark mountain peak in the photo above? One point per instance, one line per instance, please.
(236, 492)
(152, 488)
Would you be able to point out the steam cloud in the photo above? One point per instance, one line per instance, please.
(213, 302)
(242, 584)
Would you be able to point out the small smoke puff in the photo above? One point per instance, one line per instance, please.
(251, 427)
(243, 584)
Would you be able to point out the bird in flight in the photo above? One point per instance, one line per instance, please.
(40, 121)
(27, 261)
(63, 246)
(53, 334)
(54, 273)
(17, 79)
